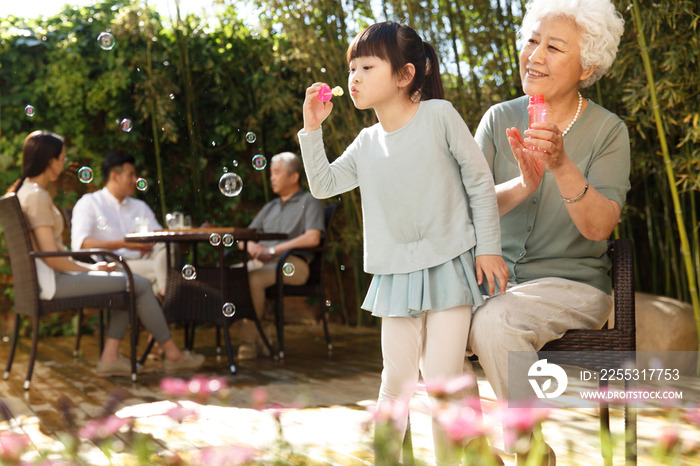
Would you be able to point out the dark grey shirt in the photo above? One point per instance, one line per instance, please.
(296, 215)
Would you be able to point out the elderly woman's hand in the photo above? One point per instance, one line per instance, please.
(492, 267)
(548, 142)
(531, 168)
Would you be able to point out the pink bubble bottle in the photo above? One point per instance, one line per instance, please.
(537, 110)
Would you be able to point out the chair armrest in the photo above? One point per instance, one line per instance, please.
(88, 253)
(623, 285)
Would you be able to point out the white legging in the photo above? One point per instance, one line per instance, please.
(434, 344)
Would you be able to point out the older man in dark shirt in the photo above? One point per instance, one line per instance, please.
(295, 212)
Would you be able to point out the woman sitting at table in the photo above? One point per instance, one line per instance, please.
(44, 156)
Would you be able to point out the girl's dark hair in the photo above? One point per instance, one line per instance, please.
(38, 150)
(399, 44)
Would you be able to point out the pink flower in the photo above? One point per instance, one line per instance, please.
(225, 455)
(174, 387)
(179, 413)
(669, 438)
(199, 386)
(103, 428)
(461, 423)
(693, 416)
(440, 387)
(389, 411)
(521, 420)
(12, 445)
(259, 397)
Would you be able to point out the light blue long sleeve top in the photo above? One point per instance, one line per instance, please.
(427, 192)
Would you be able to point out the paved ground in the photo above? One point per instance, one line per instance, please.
(333, 391)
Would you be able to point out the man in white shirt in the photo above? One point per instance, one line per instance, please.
(102, 219)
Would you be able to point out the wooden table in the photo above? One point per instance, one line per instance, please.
(202, 299)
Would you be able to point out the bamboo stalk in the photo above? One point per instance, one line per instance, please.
(154, 123)
(696, 239)
(186, 74)
(685, 245)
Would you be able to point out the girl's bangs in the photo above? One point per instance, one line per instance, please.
(372, 42)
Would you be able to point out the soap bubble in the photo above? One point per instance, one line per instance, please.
(29, 111)
(229, 310)
(288, 269)
(227, 240)
(328, 303)
(259, 162)
(126, 125)
(102, 223)
(235, 163)
(172, 96)
(215, 239)
(250, 137)
(225, 169)
(85, 175)
(230, 184)
(141, 184)
(189, 272)
(106, 41)
(342, 267)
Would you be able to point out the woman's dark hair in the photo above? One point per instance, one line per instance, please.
(38, 150)
(399, 44)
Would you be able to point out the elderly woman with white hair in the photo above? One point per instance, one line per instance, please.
(560, 188)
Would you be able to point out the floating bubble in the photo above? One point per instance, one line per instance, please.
(328, 303)
(288, 269)
(141, 184)
(259, 162)
(342, 267)
(126, 125)
(227, 240)
(85, 175)
(102, 223)
(229, 310)
(250, 137)
(215, 239)
(172, 96)
(106, 41)
(29, 111)
(235, 163)
(337, 91)
(230, 184)
(189, 272)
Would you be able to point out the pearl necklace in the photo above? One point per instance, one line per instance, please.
(578, 111)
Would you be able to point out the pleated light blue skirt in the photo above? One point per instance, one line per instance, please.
(429, 290)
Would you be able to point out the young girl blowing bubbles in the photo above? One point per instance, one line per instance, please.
(431, 220)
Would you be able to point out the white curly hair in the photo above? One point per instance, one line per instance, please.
(600, 25)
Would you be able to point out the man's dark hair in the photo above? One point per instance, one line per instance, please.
(114, 161)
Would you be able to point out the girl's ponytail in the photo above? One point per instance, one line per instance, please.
(432, 87)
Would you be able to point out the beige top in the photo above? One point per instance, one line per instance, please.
(39, 210)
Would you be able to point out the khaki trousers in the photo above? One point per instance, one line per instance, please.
(262, 276)
(153, 266)
(524, 319)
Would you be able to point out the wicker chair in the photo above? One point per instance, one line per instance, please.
(27, 301)
(617, 343)
(313, 286)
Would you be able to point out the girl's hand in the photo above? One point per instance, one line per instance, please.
(104, 267)
(492, 267)
(531, 168)
(549, 144)
(315, 111)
